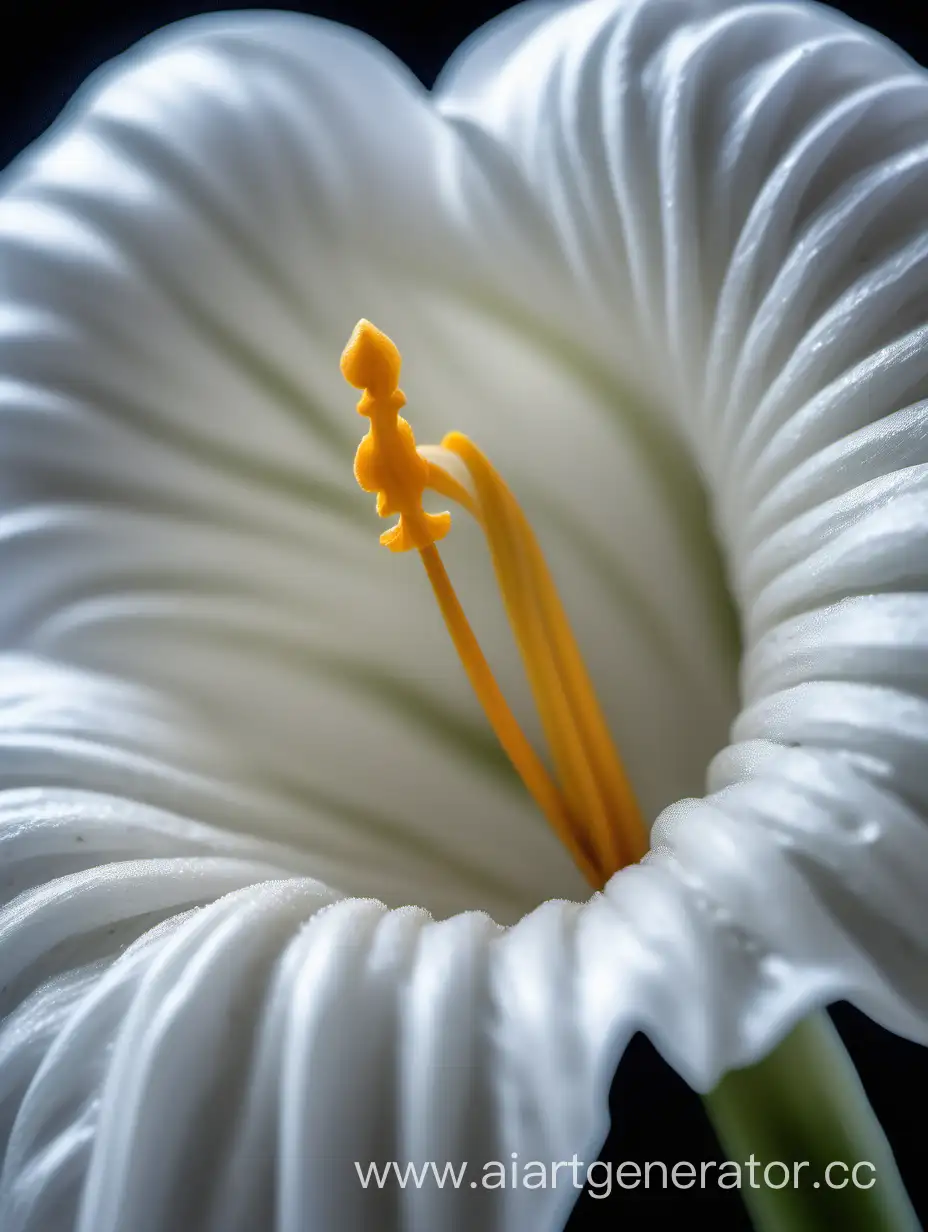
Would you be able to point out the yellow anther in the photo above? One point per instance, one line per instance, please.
(386, 461)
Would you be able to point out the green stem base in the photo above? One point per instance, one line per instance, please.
(804, 1107)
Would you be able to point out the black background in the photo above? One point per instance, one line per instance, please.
(48, 48)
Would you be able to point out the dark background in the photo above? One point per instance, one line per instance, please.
(48, 48)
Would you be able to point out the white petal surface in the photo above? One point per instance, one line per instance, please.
(743, 182)
(641, 251)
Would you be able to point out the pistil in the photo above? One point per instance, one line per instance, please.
(590, 804)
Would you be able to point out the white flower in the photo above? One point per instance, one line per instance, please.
(665, 260)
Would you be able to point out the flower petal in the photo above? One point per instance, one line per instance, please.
(183, 259)
(743, 184)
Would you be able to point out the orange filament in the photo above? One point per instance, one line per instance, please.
(510, 735)
(591, 806)
(581, 745)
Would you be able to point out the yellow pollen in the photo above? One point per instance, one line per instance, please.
(590, 804)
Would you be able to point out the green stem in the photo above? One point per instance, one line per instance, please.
(804, 1106)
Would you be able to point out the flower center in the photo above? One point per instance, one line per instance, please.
(588, 799)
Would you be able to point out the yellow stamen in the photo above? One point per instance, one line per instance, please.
(592, 808)
(510, 735)
(575, 725)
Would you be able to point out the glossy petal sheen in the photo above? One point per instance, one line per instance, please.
(665, 261)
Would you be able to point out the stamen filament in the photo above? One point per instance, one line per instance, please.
(546, 637)
(563, 736)
(510, 735)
